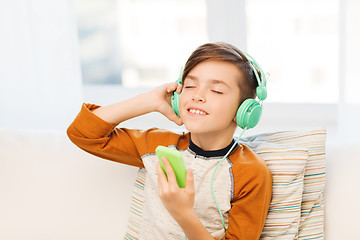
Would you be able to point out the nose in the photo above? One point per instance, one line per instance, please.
(199, 96)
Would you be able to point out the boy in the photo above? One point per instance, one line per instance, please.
(217, 78)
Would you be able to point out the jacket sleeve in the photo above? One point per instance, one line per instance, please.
(251, 200)
(103, 139)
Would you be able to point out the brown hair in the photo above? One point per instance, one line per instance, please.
(226, 52)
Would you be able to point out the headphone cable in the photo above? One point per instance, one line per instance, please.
(213, 175)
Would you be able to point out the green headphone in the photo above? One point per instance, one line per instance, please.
(249, 113)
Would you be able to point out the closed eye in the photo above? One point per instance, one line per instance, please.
(218, 92)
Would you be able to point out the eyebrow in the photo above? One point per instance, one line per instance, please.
(213, 81)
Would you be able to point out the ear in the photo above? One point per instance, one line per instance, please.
(234, 122)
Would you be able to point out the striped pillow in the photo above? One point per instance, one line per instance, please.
(312, 206)
(287, 165)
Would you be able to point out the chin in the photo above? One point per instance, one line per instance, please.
(200, 129)
(195, 129)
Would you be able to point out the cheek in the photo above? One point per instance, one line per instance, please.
(184, 97)
(182, 100)
(227, 107)
(228, 112)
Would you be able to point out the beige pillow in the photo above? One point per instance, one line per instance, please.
(287, 166)
(311, 224)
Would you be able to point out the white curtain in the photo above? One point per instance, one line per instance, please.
(349, 79)
(226, 21)
(40, 77)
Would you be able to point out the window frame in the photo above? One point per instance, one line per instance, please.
(276, 116)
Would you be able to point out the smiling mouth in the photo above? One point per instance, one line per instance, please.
(197, 111)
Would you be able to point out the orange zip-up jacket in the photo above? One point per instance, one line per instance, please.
(242, 185)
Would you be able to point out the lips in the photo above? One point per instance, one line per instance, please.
(197, 111)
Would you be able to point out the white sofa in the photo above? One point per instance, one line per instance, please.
(51, 190)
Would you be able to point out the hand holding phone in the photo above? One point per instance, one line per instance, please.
(176, 161)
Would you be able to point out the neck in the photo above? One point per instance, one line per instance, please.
(211, 141)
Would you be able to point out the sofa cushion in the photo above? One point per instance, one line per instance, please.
(51, 189)
(287, 166)
(312, 206)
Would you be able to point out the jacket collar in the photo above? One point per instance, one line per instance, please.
(214, 153)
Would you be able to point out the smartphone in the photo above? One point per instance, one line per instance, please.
(176, 161)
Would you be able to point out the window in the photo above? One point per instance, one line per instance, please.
(350, 50)
(297, 43)
(143, 43)
(308, 48)
(138, 43)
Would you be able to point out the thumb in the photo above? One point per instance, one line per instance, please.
(171, 115)
(190, 180)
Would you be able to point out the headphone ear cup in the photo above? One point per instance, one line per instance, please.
(175, 98)
(248, 114)
(261, 92)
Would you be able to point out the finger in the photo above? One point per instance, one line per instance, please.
(176, 120)
(179, 88)
(170, 172)
(171, 87)
(171, 115)
(190, 181)
(162, 181)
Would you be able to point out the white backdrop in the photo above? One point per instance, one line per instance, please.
(40, 89)
(349, 79)
(40, 80)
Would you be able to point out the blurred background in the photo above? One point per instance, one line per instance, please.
(57, 54)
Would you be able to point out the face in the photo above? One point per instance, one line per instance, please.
(210, 98)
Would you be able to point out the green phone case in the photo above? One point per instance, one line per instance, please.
(176, 161)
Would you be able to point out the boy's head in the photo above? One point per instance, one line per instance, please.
(216, 79)
(226, 52)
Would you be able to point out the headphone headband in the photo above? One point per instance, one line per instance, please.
(261, 91)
